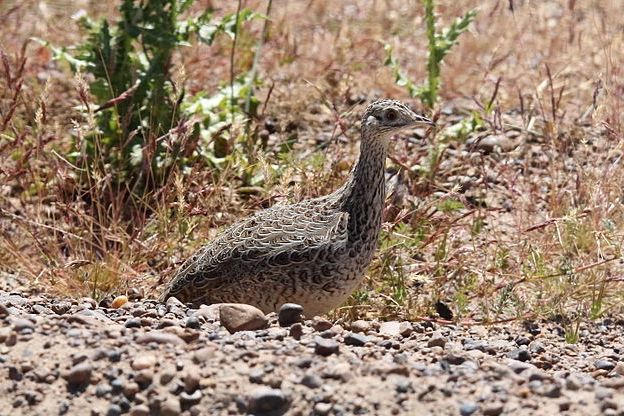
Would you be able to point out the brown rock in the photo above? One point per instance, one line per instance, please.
(159, 337)
(143, 361)
(390, 329)
(240, 317)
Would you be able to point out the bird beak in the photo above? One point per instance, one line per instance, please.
(418, 119)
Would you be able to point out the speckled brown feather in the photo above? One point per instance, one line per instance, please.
(315, 252)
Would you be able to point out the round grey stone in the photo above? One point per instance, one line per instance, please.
(290, 313)
(602, 364)
(264, 400)
(467, 409)
(325, 346)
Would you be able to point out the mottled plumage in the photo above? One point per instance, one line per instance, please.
(313, 253)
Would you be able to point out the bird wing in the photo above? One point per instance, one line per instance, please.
(272, 238)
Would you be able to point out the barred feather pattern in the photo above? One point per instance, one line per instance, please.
(314, 253)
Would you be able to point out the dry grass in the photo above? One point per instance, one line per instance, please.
(538, 232)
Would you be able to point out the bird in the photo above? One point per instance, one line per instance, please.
(314, 253)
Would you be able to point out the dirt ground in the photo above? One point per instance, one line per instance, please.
(70, 356)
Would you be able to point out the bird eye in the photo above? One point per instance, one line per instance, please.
(391, 115)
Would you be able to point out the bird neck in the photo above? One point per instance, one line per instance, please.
(364, 192)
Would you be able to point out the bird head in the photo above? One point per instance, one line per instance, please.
(385, 117)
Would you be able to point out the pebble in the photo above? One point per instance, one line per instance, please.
(519, 354)
(360, 326)
(143, 362)
(436, 340)
(467, 409)
(405, 329)
(296, 331)
(355, 339)
(240, 317)
(4, 311)
(133, 323)
(311, 380)
(19, 324)
(159, 337)
(119, 301)
(325, 346)
(79, 374)
(493, 409)
(495, 143)
(189, 399)
(170, 407)
(321, 324)
(140, 410)
(390, 328)
(264, 400)
(602, 364)
(322, 408)
(192, 322)
(290, 313)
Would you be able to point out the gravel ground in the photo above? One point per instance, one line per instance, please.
(65, 356)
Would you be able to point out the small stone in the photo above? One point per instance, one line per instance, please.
(602, 364)
(140, 410)
(119, 301)
(190, 399)
(113, 410)
(159, 337)
(5, 333)
(619, 368)
(133, 323)
(4, 311)
(467, 409)
(296, 331)
(325, 346)
(264, 400)
(130, 389)
(102, 389)
(191, 381)
(167, 374)
(436, 340)
(144, 377)
(240, 317)
(536, 347)
(143, 361)
(355, 339)
(192, 322)
(204, 354)
(322, 408)
(518, 366)
(572, 384)
(311, 381)
(390, 329)
(79, 375)
(496, 142)
(289, 313)
(173, 301)
(209, 313)
(171, 406)
(117, 385)
(321, 324)
(602, 393)
(552, 392)
(406, 329)
(360, 326)
(20, 324)
(519, 354)
(493, 409)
